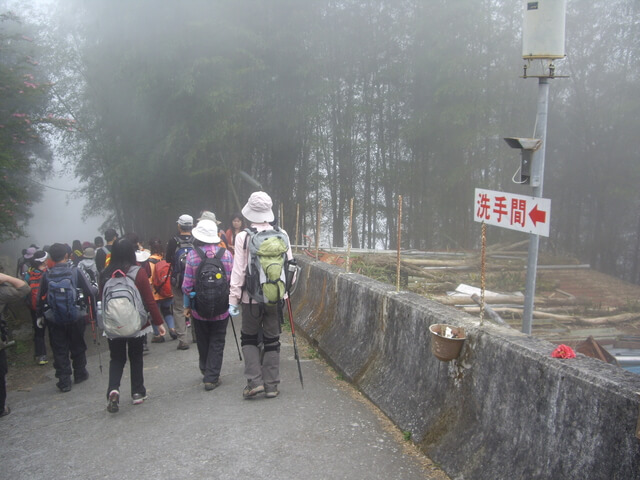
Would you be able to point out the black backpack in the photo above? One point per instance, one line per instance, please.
(211, 287)
(183, 246)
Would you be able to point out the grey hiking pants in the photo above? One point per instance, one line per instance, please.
(178, 314)
(266, 373)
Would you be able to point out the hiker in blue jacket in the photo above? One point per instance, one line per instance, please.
(66, 316)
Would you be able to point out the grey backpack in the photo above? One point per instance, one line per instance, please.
(123, 312)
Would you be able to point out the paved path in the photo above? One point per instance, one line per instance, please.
(324, 431)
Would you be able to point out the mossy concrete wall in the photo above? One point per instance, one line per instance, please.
(504, 409)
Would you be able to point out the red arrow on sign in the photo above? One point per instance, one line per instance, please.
(537, 215)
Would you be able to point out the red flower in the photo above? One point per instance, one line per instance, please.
(563, 351)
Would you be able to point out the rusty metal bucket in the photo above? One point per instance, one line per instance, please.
(446, 348)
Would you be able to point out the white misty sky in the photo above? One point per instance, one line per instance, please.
(58, 217)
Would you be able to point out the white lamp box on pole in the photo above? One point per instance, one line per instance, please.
(543, 29)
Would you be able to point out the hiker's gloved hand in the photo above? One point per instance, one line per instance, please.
(234, 310)
(40, 322)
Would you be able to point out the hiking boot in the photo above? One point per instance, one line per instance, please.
(138, 398)
(42, 360)
(173, 333)
(271, 392)
(250, 392)
(5, 412)
(64, 387)
(182, 345)
(81, 377)
(208, 386)
(114, 399)
(157, 339)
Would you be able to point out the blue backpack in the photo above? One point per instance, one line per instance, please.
(62, 294)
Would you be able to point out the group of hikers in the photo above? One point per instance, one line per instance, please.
(203, 276)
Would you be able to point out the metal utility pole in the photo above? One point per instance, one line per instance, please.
(537, 177)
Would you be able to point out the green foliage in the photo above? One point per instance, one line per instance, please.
(312, 353)
(24, 96)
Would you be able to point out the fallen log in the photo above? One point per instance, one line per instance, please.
(518, 312)
(511, 299)
(620, 318)
(611, 319)
(492, 313)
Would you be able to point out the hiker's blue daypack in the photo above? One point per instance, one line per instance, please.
(266, 279)
(179, 263)
(123, 312)
(62, 294)
(212, 286)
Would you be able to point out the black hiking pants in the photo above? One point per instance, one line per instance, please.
(69, 350)
(118, 348)
(210, 339)
(39, 346)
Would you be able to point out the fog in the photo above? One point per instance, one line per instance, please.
(326, 102)
(57, 218)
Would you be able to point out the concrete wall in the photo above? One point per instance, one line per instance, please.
(504, 409)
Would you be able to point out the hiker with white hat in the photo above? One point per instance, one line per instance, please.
(205, 291)
(207, 215)
(262, 376)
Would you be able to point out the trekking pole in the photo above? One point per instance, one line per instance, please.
(95, 334)
(293, 335)
(235, 336)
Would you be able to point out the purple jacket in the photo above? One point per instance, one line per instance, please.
(193, 260)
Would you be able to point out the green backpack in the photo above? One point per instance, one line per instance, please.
(267, 265)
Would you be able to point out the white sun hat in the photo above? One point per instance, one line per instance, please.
(258, 208)
(206, 231)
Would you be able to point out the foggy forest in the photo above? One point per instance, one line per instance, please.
(161, 108)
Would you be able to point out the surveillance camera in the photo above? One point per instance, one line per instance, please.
(531, 144)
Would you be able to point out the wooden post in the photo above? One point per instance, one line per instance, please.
(399, 242)
(297, 224)
(319, 214)
(281, 215)
(349, 236)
